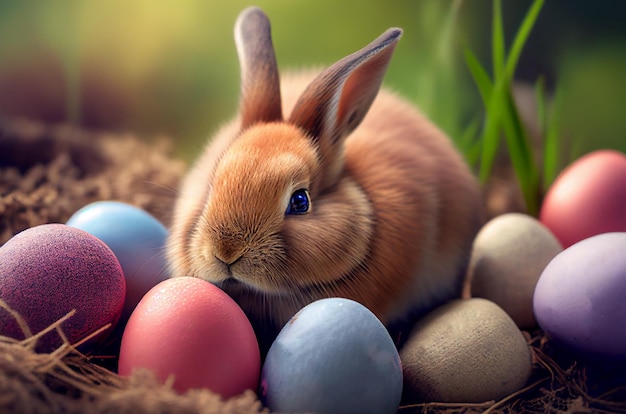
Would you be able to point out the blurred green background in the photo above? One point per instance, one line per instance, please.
(165, 67)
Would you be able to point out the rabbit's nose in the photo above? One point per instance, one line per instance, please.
(228, 250)
(228, 260)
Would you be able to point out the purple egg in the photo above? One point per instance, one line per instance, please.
(580, 299)
(48, 270)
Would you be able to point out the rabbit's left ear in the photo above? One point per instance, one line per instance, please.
(260, 85)
(336, 102)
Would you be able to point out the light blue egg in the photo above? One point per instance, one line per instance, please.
(334, 356)
(136, 238)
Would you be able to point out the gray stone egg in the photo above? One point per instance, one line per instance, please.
(466, 351)
(508, 256)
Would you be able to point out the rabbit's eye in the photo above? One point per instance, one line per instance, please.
(299, 202)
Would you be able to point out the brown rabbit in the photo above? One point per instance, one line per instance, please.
(336, 190)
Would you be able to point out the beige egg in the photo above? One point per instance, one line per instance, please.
(508, 256)
(468, 350)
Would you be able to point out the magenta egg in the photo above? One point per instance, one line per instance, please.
(587, 198)
(49, 270)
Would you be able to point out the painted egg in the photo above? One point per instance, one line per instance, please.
(587, 198)
(136, 238)
(580, 298)
(465, 351)
(334, 356)
(190, 330)
(49, 270)
(508, 256)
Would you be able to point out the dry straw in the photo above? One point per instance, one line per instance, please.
(65, 381)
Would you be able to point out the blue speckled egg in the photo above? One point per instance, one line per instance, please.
(334, 356)
(580, 299)
(136, 238)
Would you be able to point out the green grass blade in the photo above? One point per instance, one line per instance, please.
(438, 78)
(445, 41)
(521, 154)
(491, 132)
(551, 161)
(497, 40)
(501, 111)
(444, 72)
(548, 124)
(540, 101)
(481, 78)
(521, 37)
(490, 137)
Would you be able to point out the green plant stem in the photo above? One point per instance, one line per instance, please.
(501, 111)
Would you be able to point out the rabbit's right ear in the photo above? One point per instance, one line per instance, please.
(260, 86)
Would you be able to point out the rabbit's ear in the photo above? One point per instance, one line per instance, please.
(260, 85)
(336, 102)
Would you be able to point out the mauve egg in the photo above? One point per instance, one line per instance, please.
(334, 356)
(580, 299)
(189, 329)
(48, 270)
(587, 198)
(136, 238)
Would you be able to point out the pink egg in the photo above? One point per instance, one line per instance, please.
(587, 198)
(189, 329)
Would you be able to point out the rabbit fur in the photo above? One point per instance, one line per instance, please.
(393, 207)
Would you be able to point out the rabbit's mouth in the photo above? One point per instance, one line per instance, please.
(234, 284)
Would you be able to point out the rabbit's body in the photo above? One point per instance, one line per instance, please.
(393, 207)
(425, 204)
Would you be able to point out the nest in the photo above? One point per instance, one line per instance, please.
(49, 172)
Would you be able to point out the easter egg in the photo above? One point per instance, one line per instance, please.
(580, 299)
(190, 330)
(136, 238)
(587, 198)
(334, 356)
(508, 256)
(49, 270)
(465, 351)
